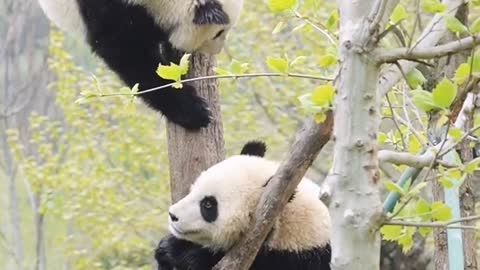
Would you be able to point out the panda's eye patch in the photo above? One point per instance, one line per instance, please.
(209, 209)
(219, 34)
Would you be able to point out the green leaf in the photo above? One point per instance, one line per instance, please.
(406, 241)
(472, 165)
(475, 26)
(332, 21)
(221, 71)
(414, 145)
(398, 14)
(237, 67)
(320, 117)
(444, 93)
(454, 173)
(454, 25)
(422, 209)
(415, 78)
(327, 60)
(433, 6)
(455, 133)
(281, 5)
(391, 186)
(172, 72)
(462, 73)
(382, 137)
(391, 232)
(277, 64)
(441, 211)
(323, 95)
(424, 231)
(424, 100)
(446, 183)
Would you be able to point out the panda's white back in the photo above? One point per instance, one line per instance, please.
(64, 14)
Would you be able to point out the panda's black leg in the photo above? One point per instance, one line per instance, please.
(128, 40)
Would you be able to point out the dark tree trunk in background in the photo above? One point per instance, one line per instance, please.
(392, 257)
(447, 66)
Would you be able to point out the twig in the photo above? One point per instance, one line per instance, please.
(234, 76)
(435, 224)
(325, 33)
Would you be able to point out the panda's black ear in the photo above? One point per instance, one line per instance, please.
(254, 148)
(210, 12)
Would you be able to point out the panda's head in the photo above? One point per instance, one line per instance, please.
(205, 25)
(222, 201)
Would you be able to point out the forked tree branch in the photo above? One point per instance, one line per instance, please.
(310, 140)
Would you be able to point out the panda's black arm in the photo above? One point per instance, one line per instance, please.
(128, 40)
(174, 253)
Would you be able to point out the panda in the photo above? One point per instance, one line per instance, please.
(134, 36)
(219, 209)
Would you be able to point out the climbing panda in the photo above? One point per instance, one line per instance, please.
(219, 209)
(134, 36)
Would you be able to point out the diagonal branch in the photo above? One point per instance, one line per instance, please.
(393, 55)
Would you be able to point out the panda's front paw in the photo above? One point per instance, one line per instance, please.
(162, 256)
(189, 111)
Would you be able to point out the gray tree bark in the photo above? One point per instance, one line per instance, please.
(24, 78)
(189, 152)
(353, 182)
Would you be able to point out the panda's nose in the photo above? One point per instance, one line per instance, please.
(173, 217)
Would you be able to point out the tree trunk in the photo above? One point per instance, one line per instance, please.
(447, 67)
(355, 205)
(189, 152)
(40, 260)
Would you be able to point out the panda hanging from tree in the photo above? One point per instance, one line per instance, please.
(134, 36)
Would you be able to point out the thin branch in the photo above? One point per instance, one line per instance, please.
(315, 26)
(232, 76)
(411, 160)
(397, 126)
(377, 15)
(435, 224)
(393, 55)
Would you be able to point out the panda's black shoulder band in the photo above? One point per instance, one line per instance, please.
(210, 12)
(254, 148)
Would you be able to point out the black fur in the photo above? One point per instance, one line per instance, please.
(210, 13)
(129, 41)
(184, 255)
(254, 148)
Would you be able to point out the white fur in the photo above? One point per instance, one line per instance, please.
(65, 15)
(237, 184)
(176, 14)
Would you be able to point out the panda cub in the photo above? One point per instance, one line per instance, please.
(134, 36)
(219, 209)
